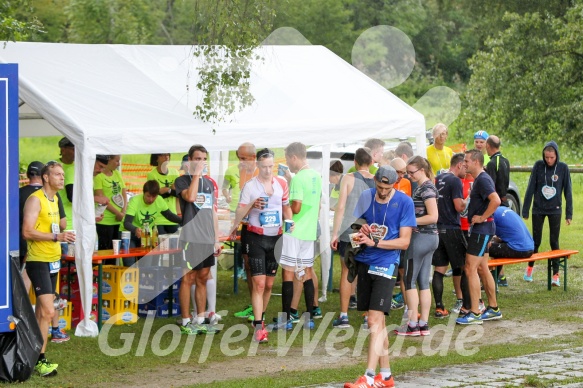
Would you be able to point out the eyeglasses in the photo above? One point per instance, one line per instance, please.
(412, 172)
(401, 172)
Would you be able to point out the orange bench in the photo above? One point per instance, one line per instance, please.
(562, 254)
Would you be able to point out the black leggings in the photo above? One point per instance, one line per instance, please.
(554, 231)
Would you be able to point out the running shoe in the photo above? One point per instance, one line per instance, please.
(481, 306)
(380, 382)
(408, 330)
(213, 318)
(457, 307)
(424, 330)
(396, 305)
(209, 329)
(295, 318)
(448, 273)
(188, 329)
(352, 305)
(556, 282)
(502, 282)
(260, 335)
(362, 382)
(441, 313)
(490, 314)
(45, 368)
(317, 313)
(309, 324)
(245, 312)
(399, 298)
(528, 276)
(283, 325)
(469, 319)
(323, 298)
(59, 336)
(341, 322)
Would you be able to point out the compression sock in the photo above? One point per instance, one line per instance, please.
(437, 285)
(309, 296)
(287, 294)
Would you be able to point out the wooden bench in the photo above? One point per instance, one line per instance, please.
(562, 254)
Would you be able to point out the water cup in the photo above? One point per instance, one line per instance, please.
(99, 209)
(71, 231)
(125, 241)
(355, 243)
(281, 169)
(288, 225)
(116, 246)
(266, 200)
(71, 249)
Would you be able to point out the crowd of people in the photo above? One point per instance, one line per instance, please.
(396, 216)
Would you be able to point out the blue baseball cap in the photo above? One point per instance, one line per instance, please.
(481, 135)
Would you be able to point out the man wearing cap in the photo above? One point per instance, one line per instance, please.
(67, 160)
(483, 202)
(41, 228)
(437, 153)
(390, 219)
(480, 138)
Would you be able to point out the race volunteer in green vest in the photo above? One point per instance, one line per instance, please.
(109, 183)
(147, 207)
(165, 177)
(67, 160)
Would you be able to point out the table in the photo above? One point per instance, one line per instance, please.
(104, 254)
(97, 259)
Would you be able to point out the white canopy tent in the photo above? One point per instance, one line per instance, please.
(123, 99)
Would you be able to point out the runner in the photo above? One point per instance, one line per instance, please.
(452, 244)
(197, 193)
(40, 226)
(298, 246)
(352, 185)
(390, 218)
(265, 199)
(483, 203)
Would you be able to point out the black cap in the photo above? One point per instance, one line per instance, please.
(64, 142)
(34, 169)
(184, 159)
(386, 174)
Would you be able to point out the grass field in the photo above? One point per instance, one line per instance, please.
(82, 363)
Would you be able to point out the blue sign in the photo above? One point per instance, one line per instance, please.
(8, 185)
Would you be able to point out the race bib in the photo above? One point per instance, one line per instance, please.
(269, 219)
(118, 200)
(386, 272)
(378, 231)
(55, 266)
(549, 192)
(204, 201)
(55, 228)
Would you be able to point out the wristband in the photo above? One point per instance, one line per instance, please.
(54, 237)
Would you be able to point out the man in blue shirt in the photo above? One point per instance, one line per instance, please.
(512, 239)
(390, 219)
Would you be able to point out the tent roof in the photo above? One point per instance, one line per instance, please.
(139, 99)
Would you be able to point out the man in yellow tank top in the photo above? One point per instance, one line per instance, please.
(40, 227)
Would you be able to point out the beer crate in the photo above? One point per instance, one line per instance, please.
(119, 282)
(158, 279)
(119, 311)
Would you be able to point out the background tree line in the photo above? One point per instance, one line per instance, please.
(517, 64)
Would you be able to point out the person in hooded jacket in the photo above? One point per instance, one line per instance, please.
(549, 181)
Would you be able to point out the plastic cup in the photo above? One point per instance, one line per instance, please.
(125, 241)
(116, 246)
(173, 242)
(266, 200)
(287, 225)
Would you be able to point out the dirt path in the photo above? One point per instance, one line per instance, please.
(267, 361)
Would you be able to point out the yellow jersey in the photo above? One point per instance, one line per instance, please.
(45, 251)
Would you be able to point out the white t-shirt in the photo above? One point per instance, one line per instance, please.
(269, 220)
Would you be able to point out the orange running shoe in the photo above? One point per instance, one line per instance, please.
(362, 382)
(379, 382)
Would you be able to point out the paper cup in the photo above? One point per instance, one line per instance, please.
(116, 246)
(99, 209)
(353, 242)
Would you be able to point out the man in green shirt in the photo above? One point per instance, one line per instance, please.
(67, 160)
(377, 147)
(297, 256)
(165, 177)
(147, 207)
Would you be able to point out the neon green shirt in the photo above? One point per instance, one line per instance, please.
(232, 183)
(306, 186)
(69, 170)
(165, 181)
(145, 213)
(111, 185)
(372, 169)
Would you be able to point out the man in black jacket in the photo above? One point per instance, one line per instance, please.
(549, 179)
